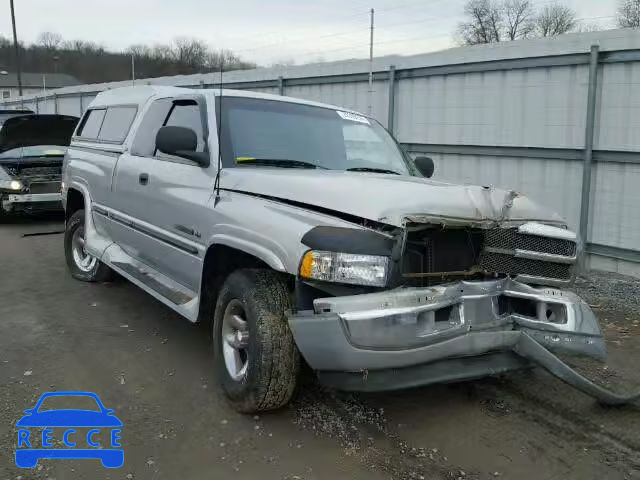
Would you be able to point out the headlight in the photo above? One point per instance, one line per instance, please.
(11, 184)
(370, 270)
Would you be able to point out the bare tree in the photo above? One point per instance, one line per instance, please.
(190, 52)
(518, 18)
(50, 40)
(629, 14)
(483, 22)
(554, 20)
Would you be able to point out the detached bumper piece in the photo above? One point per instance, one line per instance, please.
(460, 331)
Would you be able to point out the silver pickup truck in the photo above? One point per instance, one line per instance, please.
(302, 232)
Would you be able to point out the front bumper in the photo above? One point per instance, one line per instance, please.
(12, 202)
(410, 337)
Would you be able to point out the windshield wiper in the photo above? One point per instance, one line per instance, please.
(279, 162)
(372, 170)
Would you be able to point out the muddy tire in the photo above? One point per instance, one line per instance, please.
(256, 359)
(81, 265)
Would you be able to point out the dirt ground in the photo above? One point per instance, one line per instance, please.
(154, 369)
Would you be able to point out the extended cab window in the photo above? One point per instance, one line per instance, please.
(90, 126)
(116, 124)
(107, 125)
(162, 112)
(185, 113)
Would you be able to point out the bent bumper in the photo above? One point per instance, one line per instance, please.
(411, 337)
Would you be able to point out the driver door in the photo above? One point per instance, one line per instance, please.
(164, 199)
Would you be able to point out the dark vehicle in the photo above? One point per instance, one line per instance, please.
(7, 114)
(32, 148)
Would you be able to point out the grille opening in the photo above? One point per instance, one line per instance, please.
(435, 256)
(439, 255)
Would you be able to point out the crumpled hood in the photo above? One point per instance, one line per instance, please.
(31, 130)
(389, 199)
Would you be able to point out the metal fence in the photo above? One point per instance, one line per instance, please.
(556, 119)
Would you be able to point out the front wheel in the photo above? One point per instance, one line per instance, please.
(81, 264)
(256, 358)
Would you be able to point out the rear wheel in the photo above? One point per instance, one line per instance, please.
(82, 265)
(256, 359)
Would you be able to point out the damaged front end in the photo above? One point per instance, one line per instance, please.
(466, 301)
(30, 186)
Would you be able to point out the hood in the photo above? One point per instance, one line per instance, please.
(32, 130)
(390, 199)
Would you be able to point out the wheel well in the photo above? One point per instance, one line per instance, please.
(75, 202)
(219, 262)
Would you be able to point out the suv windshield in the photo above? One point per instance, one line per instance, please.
(258, 132)
(35, 151)
(4, 116)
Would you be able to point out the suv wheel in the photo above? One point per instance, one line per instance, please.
(256, 358)
(81, 264)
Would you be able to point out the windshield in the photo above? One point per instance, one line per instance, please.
(258, 132)
(35, 151)
(6, 116)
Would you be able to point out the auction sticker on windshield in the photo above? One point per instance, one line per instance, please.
(93, 432)
(353, 117)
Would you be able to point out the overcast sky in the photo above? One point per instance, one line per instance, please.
(263, 31)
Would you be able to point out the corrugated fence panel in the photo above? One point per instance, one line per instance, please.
(535, 107)
(616, 205)
(69, 106)
(618, 122)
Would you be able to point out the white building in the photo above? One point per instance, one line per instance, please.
(33, 83)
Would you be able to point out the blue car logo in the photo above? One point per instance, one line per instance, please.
(31, 448)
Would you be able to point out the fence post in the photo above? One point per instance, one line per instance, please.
(37, 105)
(588, 148)
(202, 84)
(55, 103)
(280, 85)
(80, 102)
(392, 99)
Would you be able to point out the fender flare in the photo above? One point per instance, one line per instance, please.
(252, 248)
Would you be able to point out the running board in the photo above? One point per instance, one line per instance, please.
(174, 295)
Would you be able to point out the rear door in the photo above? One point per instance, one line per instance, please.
(164, 199)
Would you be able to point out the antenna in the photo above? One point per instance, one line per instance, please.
(216, 185)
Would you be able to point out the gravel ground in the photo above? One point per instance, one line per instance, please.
(610, 291)
(154, 369)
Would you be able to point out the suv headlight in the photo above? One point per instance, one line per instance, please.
(11, 184)
(354, 269)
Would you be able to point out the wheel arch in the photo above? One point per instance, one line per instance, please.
(221, 259)
(74, 201)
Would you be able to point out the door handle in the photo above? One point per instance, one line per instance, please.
(143, 178)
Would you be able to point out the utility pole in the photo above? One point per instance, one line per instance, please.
(15, 45)
(371, 65)
(133, 70)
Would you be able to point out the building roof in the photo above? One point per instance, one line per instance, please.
(34, 80)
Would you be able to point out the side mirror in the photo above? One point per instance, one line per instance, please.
(181, 142)
(425, 166)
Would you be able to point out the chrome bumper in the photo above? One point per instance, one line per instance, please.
(22, 201)
(407, 328)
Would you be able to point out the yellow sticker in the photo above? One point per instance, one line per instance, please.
(244, 159)
(54, 152)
